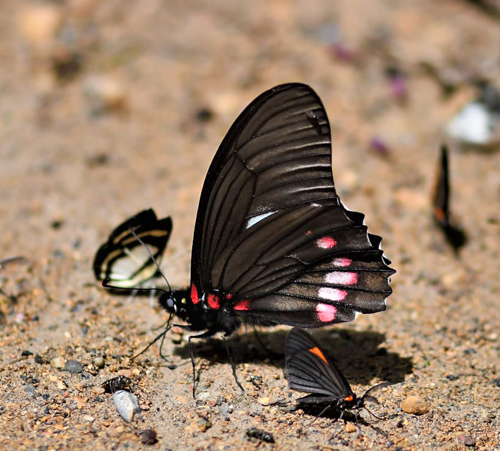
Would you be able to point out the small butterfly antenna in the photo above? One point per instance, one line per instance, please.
(106, 284)
(377, 387)
(152, 258)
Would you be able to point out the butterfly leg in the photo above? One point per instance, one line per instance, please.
(231, 361)
(191, 353)
(321, 413)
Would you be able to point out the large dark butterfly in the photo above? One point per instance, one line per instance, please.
(124, 261)
(441, 203)
(273, 243)
(309, 370)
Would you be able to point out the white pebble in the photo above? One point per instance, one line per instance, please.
(127, 405)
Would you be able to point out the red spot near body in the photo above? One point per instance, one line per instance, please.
(327, 242)
(308, 232)
(213, 301)
(316, 351)
(194, 294)
(326, 312)
(349, 398)
(242, 305)
(229, 296)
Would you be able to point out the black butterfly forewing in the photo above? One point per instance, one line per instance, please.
(273, 243)
(123, 261)
(442, 190)
(441, 203)
(309, 370)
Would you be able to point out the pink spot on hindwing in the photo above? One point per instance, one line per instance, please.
(213, 301)
(332, 294)
(327, 242)
(341, 262)
(341, 278)
(326, 312)
(242, 306)
(194, 294)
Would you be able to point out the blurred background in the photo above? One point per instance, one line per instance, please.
(110, 107)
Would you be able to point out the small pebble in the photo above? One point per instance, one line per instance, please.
(350, 428)
(415, 405)
(467, 440)
(149, 437)
(127, 405)
(73, 367)
(99, 362)
(57, 362)
(204, 424)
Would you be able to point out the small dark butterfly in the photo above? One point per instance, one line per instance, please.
(441, 204)
(309, 370)
(124, 261)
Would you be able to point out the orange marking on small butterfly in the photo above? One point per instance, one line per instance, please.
(349, 398)
(316, 351)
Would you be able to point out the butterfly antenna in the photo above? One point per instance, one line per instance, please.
(153, 259)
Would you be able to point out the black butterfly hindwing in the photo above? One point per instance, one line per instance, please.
(309, 370)
(123, 261)
(273, 243)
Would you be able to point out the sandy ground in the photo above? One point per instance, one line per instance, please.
(104, 112)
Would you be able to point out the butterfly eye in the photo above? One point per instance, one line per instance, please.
(171, 304)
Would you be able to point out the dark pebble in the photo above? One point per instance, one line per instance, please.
(496, 382)
(73, 367)
(149, 437)
(26, 353)
(40, 360)
(30, 390)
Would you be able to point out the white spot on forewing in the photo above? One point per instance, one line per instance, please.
(252, 221)
(341, 262)
(332, 294)
(127, 405)
(341, 278)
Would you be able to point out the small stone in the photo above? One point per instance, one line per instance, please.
(467, 440)
(88, 418)
(350, 428)
(26, 353)
(30, 390)
(149, 437)
(127, 404)
(204, 424)
(73, 367)
(414, 405)
(99, 362)
(105, 94)
(265, 400)
(57, 362)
